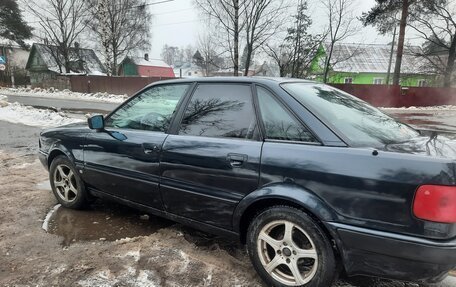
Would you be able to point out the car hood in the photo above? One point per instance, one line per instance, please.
(430, 143)
(74, 126)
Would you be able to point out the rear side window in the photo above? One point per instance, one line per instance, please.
(220, 110)
(151, 110)
(278, 122)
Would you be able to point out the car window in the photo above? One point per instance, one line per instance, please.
(151, 110)
(220, 110)
(358, 121)
(279, 124)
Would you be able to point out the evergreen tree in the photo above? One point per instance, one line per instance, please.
(294, 55)
(198, 59)
(12, 25)
(303, 45)
(384, 15)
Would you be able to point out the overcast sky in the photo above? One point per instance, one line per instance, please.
(178, 22)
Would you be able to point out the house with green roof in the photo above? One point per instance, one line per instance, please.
(368, 64)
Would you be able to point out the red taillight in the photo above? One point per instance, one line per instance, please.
(435, 203)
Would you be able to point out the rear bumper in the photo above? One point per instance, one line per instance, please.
(382, 254)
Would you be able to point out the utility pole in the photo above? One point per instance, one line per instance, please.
(391, 56)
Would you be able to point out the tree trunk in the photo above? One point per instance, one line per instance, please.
(114, 64)
(450, 64)
(282, 71)
(247, 62)
(400, 45)
(328, 63)
(236, 38)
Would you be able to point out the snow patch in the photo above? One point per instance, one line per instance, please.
(143, 278)
(135, 254)
(24, 165)
(64, 94)
(45, 225)
(185, 261)
(19, 114)
(45, 185)
(427, 108)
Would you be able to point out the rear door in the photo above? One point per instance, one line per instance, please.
(123, 160)
(213, 160)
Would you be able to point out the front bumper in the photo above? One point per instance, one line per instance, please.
(382, 254)
(43, 157)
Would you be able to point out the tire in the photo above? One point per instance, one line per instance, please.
(302, 257)
(67, 185)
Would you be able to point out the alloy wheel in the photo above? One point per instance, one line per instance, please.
(65, 183)
(287, 253)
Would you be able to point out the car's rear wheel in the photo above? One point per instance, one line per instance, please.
(66, 184)
(288, 248)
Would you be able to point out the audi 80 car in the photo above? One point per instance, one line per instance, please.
(311, 179)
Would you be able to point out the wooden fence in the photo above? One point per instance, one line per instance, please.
(111, 85)
(377, 95)
(396, 96)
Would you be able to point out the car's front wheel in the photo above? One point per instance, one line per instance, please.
(66, 184)
(288, 248)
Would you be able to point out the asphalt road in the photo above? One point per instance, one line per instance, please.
(64, 104)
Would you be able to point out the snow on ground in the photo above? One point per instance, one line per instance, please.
(428, 108)
(18, 114)
(65, 94)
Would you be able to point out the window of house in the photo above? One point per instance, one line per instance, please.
(151, 110)
(348, 80)
(279, 124)
(220, 110)
(422, 83)
(378, 81)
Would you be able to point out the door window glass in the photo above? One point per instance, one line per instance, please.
(151, 110)
(278, 122)
(220, 110)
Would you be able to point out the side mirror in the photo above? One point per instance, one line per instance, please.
(96, 122)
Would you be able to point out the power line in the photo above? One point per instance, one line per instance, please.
(171, 12)
(182, 22)
(129, 8)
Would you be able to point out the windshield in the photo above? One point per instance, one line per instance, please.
(359, 122)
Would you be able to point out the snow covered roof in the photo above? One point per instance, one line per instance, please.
(188, 70)
(374, 58)
(139, 61)
(83, 61)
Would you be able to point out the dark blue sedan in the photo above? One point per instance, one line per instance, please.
(313, 180)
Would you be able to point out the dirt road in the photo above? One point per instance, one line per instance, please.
(107, 245)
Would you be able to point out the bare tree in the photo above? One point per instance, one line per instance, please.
(342, 24)
(207, 57)
(169, 54)
(228, 15)
(263, 19)
(122, 27)
(189, 51)
(61, 23)
(437, 26)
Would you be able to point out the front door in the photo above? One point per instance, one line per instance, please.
(214, 159)
(123, 160)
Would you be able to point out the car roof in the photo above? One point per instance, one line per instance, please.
(259, 80)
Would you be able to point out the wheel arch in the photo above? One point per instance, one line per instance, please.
(286, 195)
(57, 151)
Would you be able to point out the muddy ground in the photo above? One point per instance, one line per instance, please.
(106, 245)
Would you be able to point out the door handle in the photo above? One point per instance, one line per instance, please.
(151, 148)
(236, 160)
